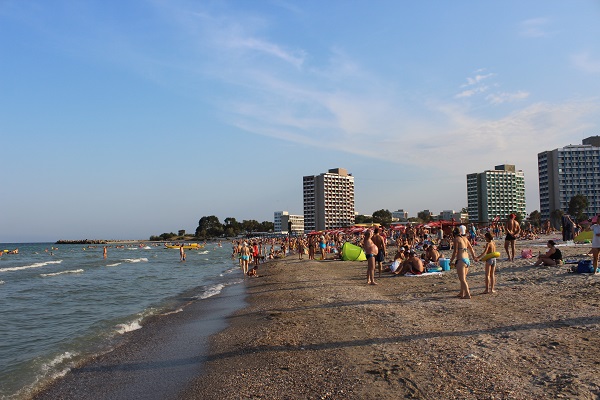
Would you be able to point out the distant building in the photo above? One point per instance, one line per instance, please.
(328, 200)
(496, 192)
(283, 218)
(569, 171)
(399, 215)
(451, 215)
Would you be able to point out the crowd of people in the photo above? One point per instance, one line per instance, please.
(417, 248)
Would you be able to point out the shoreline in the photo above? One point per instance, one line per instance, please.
(154, 362)
(314, 329)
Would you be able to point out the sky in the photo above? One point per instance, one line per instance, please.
(125, 119)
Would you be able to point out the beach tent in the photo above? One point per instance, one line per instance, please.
(351, 252)
(585, 236)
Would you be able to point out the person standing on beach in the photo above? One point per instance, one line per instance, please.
(490, 264)
(371, 252)
(380, 243)
(596, 242)
(322, 246)
(245, 253)
(512, 231)
(462, 248)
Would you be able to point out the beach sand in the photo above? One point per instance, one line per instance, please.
(315, 330)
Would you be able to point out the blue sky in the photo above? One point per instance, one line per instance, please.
(124, 119)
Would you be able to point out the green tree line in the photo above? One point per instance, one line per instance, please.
(209, 227)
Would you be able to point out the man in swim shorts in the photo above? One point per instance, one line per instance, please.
(413, 264)
(380, 243)
(512, 231)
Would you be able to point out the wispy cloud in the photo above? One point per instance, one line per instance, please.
(499, 98)
(474, 85)
(585, 62)
(535, 27)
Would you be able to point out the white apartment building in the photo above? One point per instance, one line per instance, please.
(328, 200)
(569, 171)
(497, 192)
(281, 222)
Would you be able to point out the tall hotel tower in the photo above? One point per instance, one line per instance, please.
(328, 200)
(566, 172)
(495, 193)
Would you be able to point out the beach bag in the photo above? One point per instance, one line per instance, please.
(526, 253)
(585, 267)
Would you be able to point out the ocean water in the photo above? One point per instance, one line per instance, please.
(60, 304)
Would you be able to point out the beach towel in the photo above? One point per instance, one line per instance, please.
(423, 274)
(526, 253)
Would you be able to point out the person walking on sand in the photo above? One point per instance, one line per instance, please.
(462, 248)
(490, 264)
(245, 252)
(595, 243)
(380, 243)
(371, 252)
(512, 231)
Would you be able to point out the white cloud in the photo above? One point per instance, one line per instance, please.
(586, 63)
(535, 27)
(499, 98)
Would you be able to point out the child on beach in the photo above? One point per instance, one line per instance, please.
(490, 264)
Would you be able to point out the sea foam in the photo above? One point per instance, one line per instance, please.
(128, 327)
(36, 265)
(135, 260)
(74, 271)
(211, 291)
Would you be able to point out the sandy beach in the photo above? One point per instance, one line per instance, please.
(314, 329)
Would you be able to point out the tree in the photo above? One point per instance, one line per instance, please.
(267, 226)
(424, 216)
(250, 226)
(363, 219)
(232, 227)
(535, 217)
(577, 207)
(209, 227)
(383, 217)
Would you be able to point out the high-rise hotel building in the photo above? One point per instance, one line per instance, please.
(495, 193)
(569, 171)
(328, 200)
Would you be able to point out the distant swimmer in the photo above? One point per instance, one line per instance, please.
(181, 253)
(104, 251)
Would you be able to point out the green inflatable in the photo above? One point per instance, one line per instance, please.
(585, 237)
(351, 252)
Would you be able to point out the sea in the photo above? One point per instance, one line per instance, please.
(61, 304)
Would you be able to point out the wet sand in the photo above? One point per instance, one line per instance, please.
(315, 330)
(155, 362)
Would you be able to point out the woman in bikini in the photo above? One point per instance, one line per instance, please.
(460, 253)
(371, 251)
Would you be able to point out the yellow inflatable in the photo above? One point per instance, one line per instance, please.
(490, 255)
